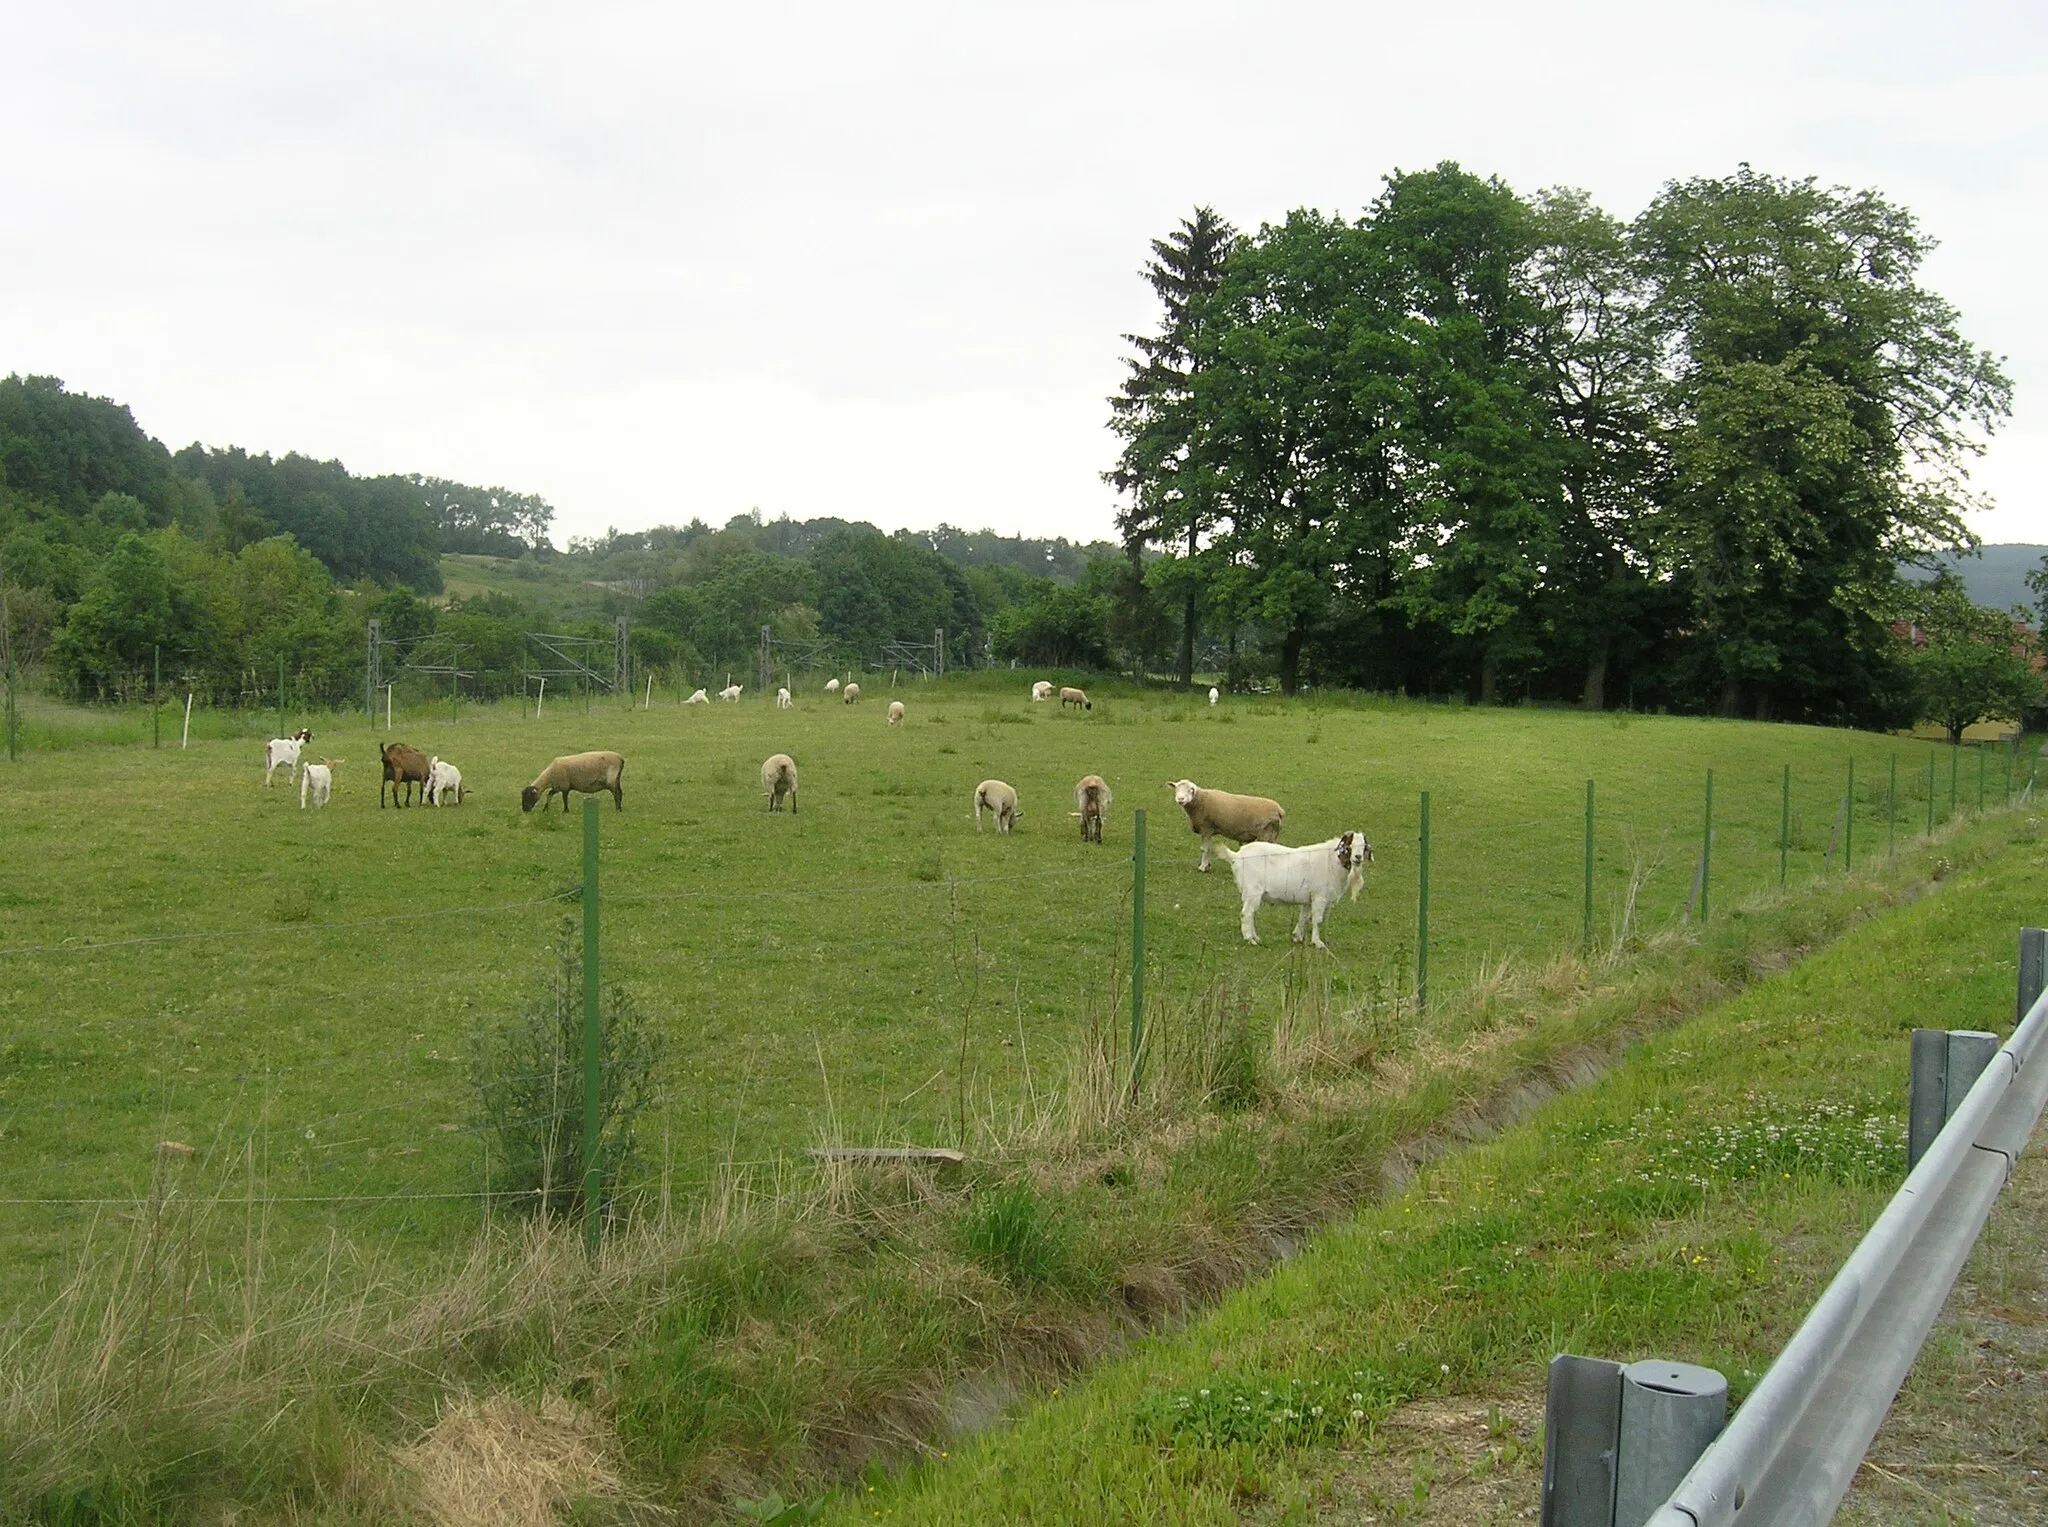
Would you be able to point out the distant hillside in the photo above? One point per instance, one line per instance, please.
(1997, 575)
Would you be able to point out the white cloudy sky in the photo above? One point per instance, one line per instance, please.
(873, 261)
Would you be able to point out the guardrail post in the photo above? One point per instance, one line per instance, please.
(1581, 1430)
(1946, 1065)
(2033, 969)
(1670, 1412)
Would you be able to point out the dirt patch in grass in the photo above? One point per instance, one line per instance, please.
(1967, 1438)
(499, 1462)
(1454, 1460)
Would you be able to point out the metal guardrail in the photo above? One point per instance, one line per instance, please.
(1788, 1456)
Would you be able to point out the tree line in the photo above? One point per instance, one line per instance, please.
(1474, 442)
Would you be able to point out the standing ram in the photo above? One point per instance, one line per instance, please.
(1219, 814)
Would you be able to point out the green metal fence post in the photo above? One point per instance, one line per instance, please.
(2011, 749)
(1891, 812)
(1955, 754)
(1784, 825)
(1137, 950)
(1422, 913)
(156, 682)
(280, 694)
(1980, 779)
(1707, 851)
(1930, 794)
(1586, 938)
(592, 1176)
(13, 731)
(1849, 822)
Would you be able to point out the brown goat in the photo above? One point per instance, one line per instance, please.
(403, 764)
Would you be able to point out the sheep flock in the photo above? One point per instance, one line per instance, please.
(1313, 878)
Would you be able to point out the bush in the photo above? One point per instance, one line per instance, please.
(527, 1081)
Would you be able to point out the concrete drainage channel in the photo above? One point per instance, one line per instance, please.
(1644, 1445)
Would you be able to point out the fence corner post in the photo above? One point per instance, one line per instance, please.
(1137, 950)
(593, 1182)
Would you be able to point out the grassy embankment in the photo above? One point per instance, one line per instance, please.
(872, 958)
(1690, 1204)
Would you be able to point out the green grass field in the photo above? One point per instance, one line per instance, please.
(189, 956)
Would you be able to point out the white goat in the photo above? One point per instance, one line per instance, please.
(317, 780)
(831, 686)
(730, 692)
(1213, 695)
(1313, 878)
(698, 697)
(442, 777)
(1042, 690)
(782, 700)
(283, 753)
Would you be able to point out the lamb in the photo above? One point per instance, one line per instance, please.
(283, 752)
(778, 778)
(782, 700)
(1074, 697)
(730, 692)
(1219, 814)
(1042, 690)
(895, 713)
(831, 686)
(590, 773)
(1213, 695)
(317, 780)
(402, 765)
(850, 694)
(1314, 878)
(1000, 799)
(443, 777)
(698, 697)
(1091, 800)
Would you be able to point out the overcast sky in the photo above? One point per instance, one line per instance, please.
(872, 261)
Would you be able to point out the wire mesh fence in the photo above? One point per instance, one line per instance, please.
(324, 1064)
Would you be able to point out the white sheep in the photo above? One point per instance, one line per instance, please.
(698, 697)
(443, 777)
(1000, 799)
(283, 753)
(1214, 696)
(1219, 814)
(782, 700)
(317, 781)
(1042, 690)
(831, 686)
(1313, 878)
(1072, 696)
(778, 778)
(730, 692)
(1091, 800)
(850, 694)
(895, 713)
(591, 773)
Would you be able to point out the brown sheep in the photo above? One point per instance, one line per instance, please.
(591, 773)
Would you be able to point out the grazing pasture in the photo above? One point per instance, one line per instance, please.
(187, 957)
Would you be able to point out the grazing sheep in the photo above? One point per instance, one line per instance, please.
(850, 694)
(1314, 878)
(283, 753)
(831, 686)
(730, 692)
(1219, 814)
(1075, 697)
(590, 773)
(1000, 799)
(443, 777)
(317, 780)
(895, 713)
(1091, 800)
(1213, 695)
(1042, 690)
(782, 700)
(698, 697)
(778, 778)
(404, 765)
